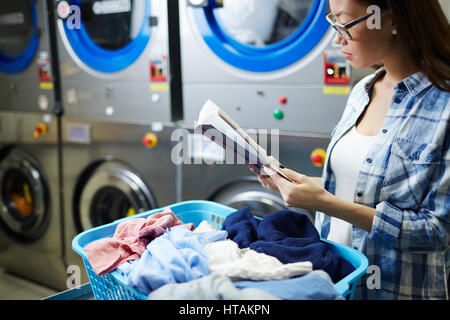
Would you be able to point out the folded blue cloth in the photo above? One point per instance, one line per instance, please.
(175, 256)
(316, 285)
(212, 287)
(287, 235)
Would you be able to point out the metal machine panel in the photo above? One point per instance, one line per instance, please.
(124, 102)
(306, 110)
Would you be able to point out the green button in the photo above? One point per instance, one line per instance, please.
(278, 114)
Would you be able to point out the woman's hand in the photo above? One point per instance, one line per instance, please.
(266, 182)
(303, 193)
(307, 193)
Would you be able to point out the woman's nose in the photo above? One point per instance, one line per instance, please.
(338, 39)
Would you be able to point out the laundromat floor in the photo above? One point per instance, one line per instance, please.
(15, 288)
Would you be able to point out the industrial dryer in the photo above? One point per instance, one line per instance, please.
(117, 96)
(270, 65)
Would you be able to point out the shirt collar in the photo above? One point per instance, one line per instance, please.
(369, 85)
(415, 83)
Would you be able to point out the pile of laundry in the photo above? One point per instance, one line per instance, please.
(277, 257)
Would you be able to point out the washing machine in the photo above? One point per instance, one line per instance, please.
(270, 65)
(114, 60)
(30, 224)
(267, 63)
(111, 171)
(117, 94)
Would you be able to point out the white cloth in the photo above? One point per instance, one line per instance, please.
(211, 287)
(249, 21)
(205, 226)
(227, 259)
(346, 159)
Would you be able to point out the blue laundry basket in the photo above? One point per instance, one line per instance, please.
(112, 286)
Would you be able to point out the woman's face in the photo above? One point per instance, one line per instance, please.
(368, 46)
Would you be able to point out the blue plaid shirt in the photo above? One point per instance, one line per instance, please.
(406, 178)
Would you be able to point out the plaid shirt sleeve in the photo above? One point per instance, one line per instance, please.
(427, 228)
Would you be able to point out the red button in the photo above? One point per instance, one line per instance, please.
(40, 130)
(150, 140)
(146, 141)
(317, 158)
(282, 99)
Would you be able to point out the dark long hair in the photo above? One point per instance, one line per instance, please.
(425, 32)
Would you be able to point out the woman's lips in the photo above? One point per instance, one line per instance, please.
(347, 55)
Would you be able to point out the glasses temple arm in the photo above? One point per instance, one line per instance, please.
(354, 22)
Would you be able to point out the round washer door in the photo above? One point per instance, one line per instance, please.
(261, 35)
(18, 35)
(251, 194)
(112, 192)
(107, 35)
(24, 197)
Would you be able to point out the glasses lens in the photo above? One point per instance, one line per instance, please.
(342, 32)
(333, 19)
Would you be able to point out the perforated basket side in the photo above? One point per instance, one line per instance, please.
(108, 287)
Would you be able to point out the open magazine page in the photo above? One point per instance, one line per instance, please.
(220, 128)
(232, 145)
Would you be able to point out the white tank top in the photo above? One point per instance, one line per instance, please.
(346, 160)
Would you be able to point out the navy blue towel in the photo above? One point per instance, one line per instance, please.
(287, 235)
(241, 227)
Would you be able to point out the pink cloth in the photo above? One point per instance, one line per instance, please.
(129, 240)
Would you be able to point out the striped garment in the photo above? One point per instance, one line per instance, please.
(406, 178)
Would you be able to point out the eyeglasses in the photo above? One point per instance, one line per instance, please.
(342, 29)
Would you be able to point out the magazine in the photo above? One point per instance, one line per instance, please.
(230, 136)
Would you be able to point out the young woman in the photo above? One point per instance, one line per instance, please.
(385, 185)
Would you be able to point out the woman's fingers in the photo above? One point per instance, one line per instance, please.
(265, 180)
(274, 161)
(295, 176)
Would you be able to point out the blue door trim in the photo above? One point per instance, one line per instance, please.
(15, 64)
(269, 58)
(104, 60)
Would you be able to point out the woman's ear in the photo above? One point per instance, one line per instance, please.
(387, 21)
(393, 24)
(394, 29)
